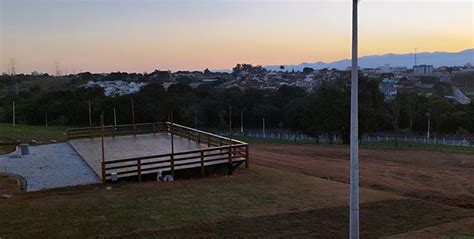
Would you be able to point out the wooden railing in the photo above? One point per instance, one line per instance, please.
(219, 149)
(118, 130)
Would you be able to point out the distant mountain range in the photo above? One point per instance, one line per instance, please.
(423, 58)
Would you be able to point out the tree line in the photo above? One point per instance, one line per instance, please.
(324, 111)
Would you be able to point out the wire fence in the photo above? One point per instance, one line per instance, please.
(336, 139)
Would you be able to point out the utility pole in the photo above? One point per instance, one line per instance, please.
(115, 118)
(46, 118)
(416, 51)
(242, 122)
(58, 70)
(195, 120)
(13, 74)
(133, 119)
(90, 117)
(14, 115)
(429, 125)
(354, 169)
(90, 113)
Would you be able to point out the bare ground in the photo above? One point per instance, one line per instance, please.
(381, 219)
(433, 176)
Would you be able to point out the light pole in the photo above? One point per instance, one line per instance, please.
(429, 125)
(14, 115)
(354, 170)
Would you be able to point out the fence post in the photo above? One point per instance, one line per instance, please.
(103, 171)
(208, 140)
(199, 137)
(139, 168)
(202, 164)
(172, 164)
(154, 129)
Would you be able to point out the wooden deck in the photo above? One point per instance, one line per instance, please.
(149, 150)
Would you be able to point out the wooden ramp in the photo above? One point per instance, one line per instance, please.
(148, 150)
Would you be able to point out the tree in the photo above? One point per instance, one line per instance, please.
(440, 110)
(308, 70)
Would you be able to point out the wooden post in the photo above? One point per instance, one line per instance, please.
(154, 129)
(198, 137)
(90, 117)
(208, 140)
(139, 169)
(133, 119)
(102, 144)
(172, 144)
(202, 164)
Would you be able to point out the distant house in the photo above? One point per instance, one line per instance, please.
(387, 87)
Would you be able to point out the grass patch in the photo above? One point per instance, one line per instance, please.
(373, 145)
(128, 207)
(418, 146)
(41, 134)
(276, 141)
(468, 91)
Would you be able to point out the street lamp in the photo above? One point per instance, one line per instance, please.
(354, 164)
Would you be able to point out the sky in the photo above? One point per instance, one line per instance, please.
(144, 35)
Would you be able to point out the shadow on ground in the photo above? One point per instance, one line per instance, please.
(378, 219)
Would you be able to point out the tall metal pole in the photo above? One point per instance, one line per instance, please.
(133, 119)
(90, 113)
(429, 126)
(90, 118)
(14, 115)
(195, 120)
(354, 171)
(115, 118)
(242, 122)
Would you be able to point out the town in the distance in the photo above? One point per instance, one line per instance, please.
(451, 81)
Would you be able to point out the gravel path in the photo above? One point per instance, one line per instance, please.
(49, 166)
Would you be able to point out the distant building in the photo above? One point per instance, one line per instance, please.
(399, 70)
(423, 70)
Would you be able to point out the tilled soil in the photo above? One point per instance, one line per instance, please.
(433, 176)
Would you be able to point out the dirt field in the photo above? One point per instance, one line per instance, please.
(432, 176)
(290, 191)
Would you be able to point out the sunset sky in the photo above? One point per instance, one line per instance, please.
(143, 35)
